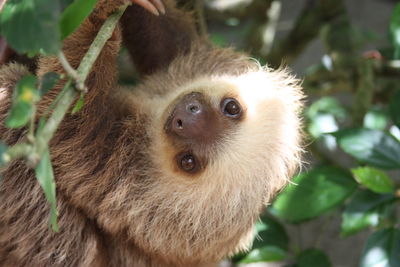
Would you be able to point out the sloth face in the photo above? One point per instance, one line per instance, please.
(213, 125)
(196, 122)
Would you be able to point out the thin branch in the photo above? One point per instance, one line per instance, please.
(31, 130)
(365, 90)
(17, 151)
(55, 101)
(80, 85)
(44, 136)
(98, 43)
(67, 67)
(269, 33)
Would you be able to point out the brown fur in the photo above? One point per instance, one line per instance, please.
(121, 199)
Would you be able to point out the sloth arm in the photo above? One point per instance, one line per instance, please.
(102, 76)
(154, 41)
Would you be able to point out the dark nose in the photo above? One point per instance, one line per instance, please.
(194, 119)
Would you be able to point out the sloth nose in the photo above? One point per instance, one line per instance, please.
(193, 119)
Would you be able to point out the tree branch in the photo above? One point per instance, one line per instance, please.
(95, 48)
(17, 151)
(365, 90)
(80, 85)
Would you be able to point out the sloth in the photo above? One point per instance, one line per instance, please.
(173, 172)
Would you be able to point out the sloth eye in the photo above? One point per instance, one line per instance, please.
(231, 108)
(187, 162)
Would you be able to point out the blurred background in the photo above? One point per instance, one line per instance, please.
(344, 208)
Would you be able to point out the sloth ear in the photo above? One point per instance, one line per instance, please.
(154, 41)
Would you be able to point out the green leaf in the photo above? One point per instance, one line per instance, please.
(45, 176)
(363, 211)
(313, 258)
(218, 39)
(376, 119)
(24, 96)
(48, 81)
(313, 193)
(321, 124)
(270, 242)
(74, 15)
(31, 26)
(322, 116)
(374, 179)
(270, 233)
(382, 249)
(79, 104)
(19, 115)
(371, 146)
(394, 108)
(265, 254)
(395, 31)
(326, 105)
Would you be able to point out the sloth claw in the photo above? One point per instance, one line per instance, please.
(153, 6)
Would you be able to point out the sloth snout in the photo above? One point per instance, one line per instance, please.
(190, 119)
(193, 119)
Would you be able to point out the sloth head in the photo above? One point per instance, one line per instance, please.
(226, 128)
(221, 147)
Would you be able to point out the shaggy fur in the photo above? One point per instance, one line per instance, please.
(121, 198)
